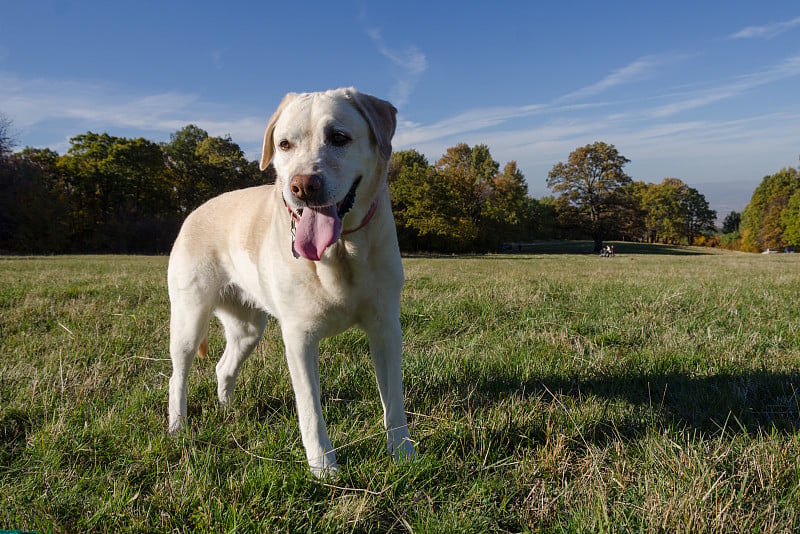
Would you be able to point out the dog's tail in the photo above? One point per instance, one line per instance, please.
(202, 350)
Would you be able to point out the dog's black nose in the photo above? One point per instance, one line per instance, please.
(306, 187)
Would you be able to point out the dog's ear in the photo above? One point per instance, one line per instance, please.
(382, 119)
(267, 151)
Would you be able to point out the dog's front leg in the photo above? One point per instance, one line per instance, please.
(386, 348)
(302, 355)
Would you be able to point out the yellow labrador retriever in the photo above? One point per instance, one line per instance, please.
(317, 250)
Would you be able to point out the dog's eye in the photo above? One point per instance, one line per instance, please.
(339, 139)
(284, 145)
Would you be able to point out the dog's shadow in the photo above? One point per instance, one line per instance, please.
(706, 406)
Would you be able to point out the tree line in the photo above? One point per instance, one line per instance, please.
(113, 194)
(464, 202)
(120, 195)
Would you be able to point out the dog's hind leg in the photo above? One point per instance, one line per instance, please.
(188, 326)
(243, 327)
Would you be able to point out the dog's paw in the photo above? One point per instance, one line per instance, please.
(327, 468)
(325, 472)
(175, 425)
(403, 449)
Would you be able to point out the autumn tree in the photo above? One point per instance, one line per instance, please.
(468, 173)
(662, 204)
(507, 212)
(113, 194)
(791, 221)
(589, 185)
(460, 204)
(672, 212)
(762, 222)
(413, 203)
(425, 215)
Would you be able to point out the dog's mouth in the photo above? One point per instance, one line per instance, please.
(342, 207)
(317, 228)
(349, 199)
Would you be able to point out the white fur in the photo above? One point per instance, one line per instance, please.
(233, 258)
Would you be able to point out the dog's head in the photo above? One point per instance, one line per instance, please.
(330, 152)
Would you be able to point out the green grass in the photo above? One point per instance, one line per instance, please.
(653, 391)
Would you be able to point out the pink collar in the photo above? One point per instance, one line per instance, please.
(372, 209)
(368, 217)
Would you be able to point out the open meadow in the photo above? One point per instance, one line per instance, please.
(547, 391)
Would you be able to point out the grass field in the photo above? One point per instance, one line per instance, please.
(548, 391)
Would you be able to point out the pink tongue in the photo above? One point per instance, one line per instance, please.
(316, 231)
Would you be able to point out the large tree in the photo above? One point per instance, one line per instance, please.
(791, 220)
(118, 193)
(589, 184)
(663, 210)
(507, 213)
(671, 211)
(410, 184)
(468, 173)
(699, 218)
(462, 203)
(762, 222)
(200, 166)
(731, 222)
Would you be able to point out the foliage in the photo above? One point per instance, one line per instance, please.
(672, 212)
(762, 222)
(200, 166)
(115, 184)
(731, 222)
(34, 208)
(590, 185)
(507, 213)
(114, 194)
(698, 216)
(427, 216)
(462, 203)
(663, 205)
(791, 221)
(653, 392)
(731, 241)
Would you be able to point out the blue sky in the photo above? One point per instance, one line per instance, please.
(705, 91)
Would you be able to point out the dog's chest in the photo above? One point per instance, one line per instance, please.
(328, 295)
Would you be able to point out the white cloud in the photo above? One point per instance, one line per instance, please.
(410, 133)
(411, 64)
(35, 106)
(637, 70)
(767, 31)
(477, 119)
(788, 68)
